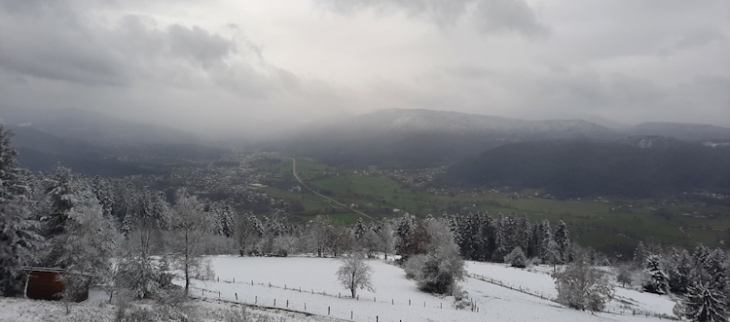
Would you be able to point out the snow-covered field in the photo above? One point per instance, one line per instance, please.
(537, 280)
(301, 281)
(309, 285)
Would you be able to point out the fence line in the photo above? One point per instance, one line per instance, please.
(286, 287)
(301, 306)
(632, 312)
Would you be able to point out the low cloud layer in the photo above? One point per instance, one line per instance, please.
(225, 67)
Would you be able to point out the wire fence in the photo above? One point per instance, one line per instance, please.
(620, 311)
(306, 305)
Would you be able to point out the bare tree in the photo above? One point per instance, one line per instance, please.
(355, 273)
(191, 224)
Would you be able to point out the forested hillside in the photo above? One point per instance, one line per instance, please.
(644, 168)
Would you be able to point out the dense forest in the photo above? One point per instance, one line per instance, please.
(569, 169)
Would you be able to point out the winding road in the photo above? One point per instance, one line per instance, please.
(294, 172)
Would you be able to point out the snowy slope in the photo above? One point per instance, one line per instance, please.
(539, 282)
(390, 301)
(309, 285)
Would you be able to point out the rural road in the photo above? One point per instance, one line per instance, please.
(294, 172)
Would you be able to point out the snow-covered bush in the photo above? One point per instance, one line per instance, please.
(516, 258)
(624, 275)
(582, 286)
(439, 270)
(413, 266)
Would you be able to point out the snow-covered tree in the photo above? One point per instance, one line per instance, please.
(546, 235)
(498, 246)
(319, 233)
(640, 255)
(717, 270)
(249, 233)
(139, 272)
(80, 234)
(385, 237)
(440, 267)
(624, 274)
(405, 228)
(705, 304)
(340, 240)
(582, 286)
(562, 238)
(658, 281)
(679, 269)
(191, 224)
(224, 217)
(552, 254)
(516, 258)
(355, 274)
(19, 239)
(359, 230)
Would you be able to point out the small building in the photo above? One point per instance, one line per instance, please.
(47, 284)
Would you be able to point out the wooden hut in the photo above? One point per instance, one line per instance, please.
(47, 284)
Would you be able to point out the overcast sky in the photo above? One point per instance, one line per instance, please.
(225, 65)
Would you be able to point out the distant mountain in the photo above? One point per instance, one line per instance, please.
(415, 136)
(420, 121)
(637, 167)
(682, 131)
(27, 137)
(92, 127)
(97, 144)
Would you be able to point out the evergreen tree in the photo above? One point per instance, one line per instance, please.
(19, 239)
(658, 279)
(360, 230)
(498, 243)
(524, 229)
(679, 269)
(406, 227)
(562, 238)
(223, 217)
(139, 272)
(716, 270)
(640, 255)
(249, 234)
(102, 189)
(705, 304)
(546, 235)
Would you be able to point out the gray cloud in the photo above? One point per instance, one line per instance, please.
(198, 45)
(488, 16)
(69, 52)
(226, 66)
(508, 15)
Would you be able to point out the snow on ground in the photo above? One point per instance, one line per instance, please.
(312, 287)
(537, 280)
(320, 292)
(96, 309)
